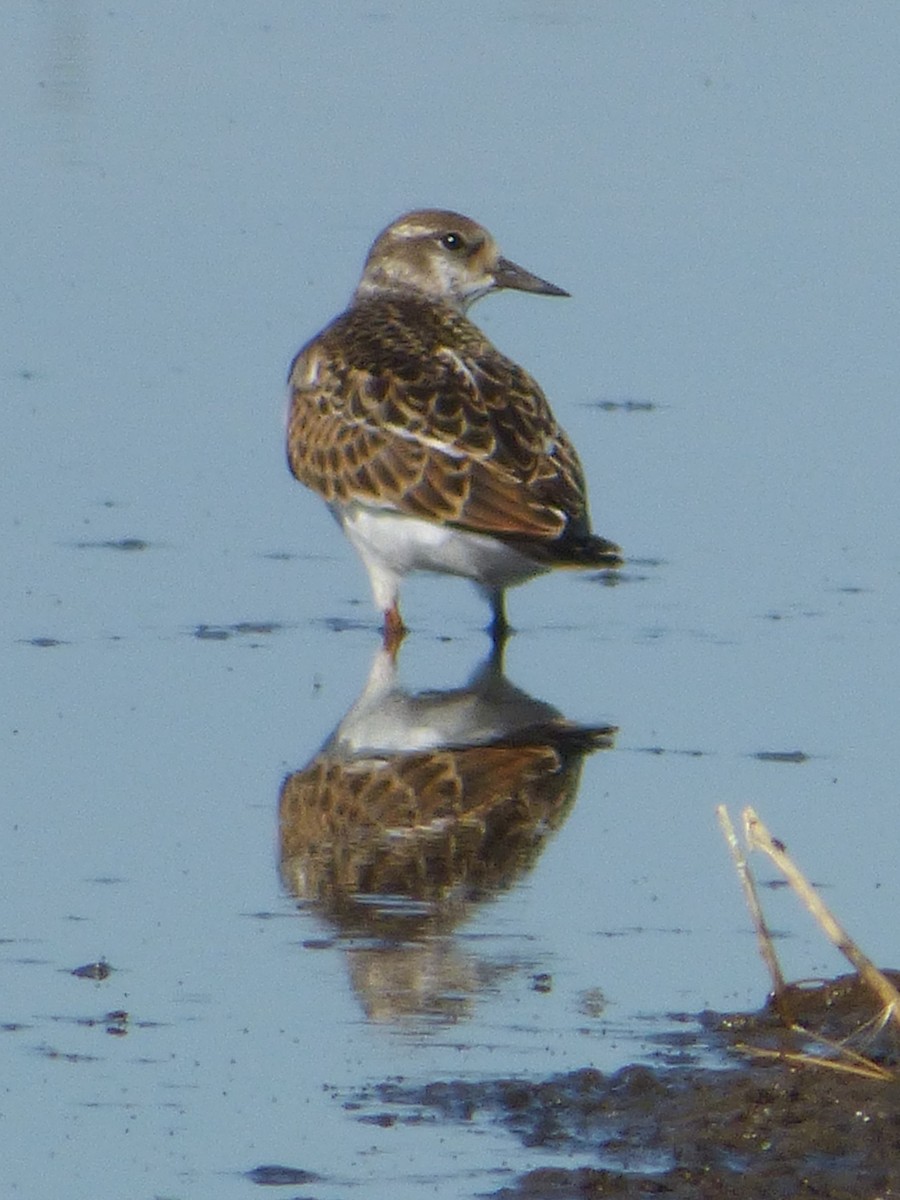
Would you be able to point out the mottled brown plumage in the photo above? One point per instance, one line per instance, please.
(402, 406)
(438, 797)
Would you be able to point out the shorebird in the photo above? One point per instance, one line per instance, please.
(434, 451)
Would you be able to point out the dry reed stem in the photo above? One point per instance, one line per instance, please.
(763, 936)
(759, 838)
(867, 1068)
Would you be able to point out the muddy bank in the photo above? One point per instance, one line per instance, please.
(755, 1128)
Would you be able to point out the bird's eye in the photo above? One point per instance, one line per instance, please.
(453, 241)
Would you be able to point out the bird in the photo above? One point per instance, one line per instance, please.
(434, 451)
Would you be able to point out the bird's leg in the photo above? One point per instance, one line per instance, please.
(499, 628)
(394, 630)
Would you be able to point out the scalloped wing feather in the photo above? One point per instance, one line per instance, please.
(426, 417)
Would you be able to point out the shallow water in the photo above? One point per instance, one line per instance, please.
(184, 629)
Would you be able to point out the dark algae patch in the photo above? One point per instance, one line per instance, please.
(755, 1131)
(757, 1128)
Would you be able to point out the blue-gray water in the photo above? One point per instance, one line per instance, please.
(190, 191)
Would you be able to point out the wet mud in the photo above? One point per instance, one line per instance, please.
(755, 1127)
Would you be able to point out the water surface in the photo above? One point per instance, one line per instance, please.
(191, 194)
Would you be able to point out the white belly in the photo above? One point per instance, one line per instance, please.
(392, 545)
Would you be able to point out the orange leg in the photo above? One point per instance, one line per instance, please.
(394, 630)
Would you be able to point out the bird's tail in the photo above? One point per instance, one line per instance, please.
(588, 550)
(571, 550)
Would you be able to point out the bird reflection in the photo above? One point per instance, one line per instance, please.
(418, 806)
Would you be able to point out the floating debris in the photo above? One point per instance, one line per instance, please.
(625, 405)
(221, 633)
(278, 1176)
(128, 543)
(781, 756)
(94, 970)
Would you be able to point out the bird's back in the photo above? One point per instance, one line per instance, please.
(407, 400)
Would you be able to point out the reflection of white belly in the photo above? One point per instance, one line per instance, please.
(391, 544)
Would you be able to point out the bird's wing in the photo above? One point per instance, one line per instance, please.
(458, 438)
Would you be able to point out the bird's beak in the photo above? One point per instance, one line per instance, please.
(509, 275)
